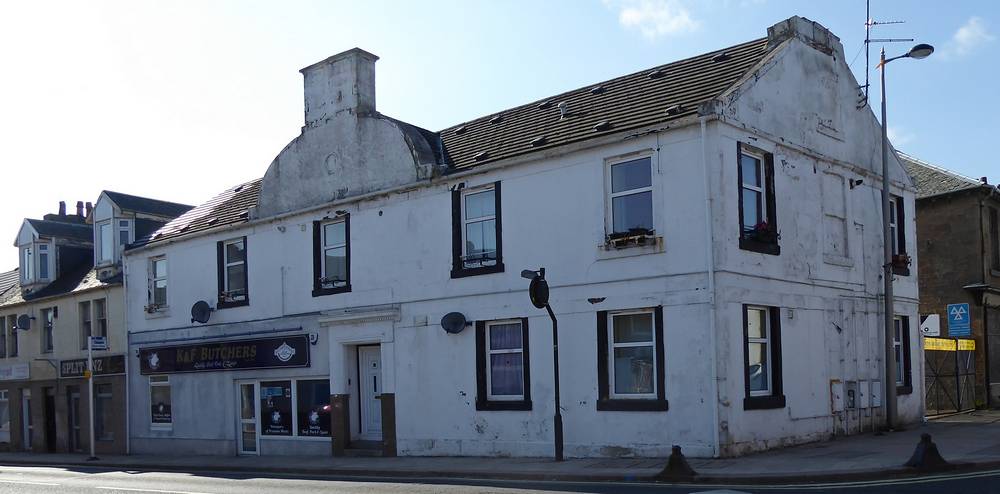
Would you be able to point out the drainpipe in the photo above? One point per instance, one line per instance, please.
(984, 270)
(128, 409)
(710, 270)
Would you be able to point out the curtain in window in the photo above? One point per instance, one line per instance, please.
(506, 369)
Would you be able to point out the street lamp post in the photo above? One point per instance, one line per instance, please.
(538, 292)
(917, 52)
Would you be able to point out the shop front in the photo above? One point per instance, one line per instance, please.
(242, 396)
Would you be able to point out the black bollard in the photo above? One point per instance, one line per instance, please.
(926, 457)
(677, 467)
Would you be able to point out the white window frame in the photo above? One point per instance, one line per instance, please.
(28, 261)
(40, 250)
(119, 228)
(153, 278)
(101, 241)
(612, 393)
(766, 341)
(88, 312)
(897, 349)
(466, 221)
(95, 321)
(324, 247)
(48, 332)
(609, 208)
(762, 189)
(225, 270)
(893, 226)
(489, 361)
(164, 381)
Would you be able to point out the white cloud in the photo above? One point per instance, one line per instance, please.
(655, 18)
(968, 38)
(899, 137)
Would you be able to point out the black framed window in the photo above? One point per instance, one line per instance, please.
(12, 328)
(897, 236)
(757, 209)
(47, 323)
(232, 259)
(630, 360)
(332, 256)
(901, 353)
(477, 244)
(503, 378)
(762, 358)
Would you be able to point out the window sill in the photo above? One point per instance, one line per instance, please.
(518, 405)
(466, 272)
(163, 311)
(760, 247)
(626, 405)
(230, 305)
(900, 271)
(764, 402)
(606, 251)
(836, 260)
(904, 390)
(319, 292)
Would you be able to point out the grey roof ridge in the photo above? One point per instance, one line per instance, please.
(937, 168)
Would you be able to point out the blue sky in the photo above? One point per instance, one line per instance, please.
(179, 100)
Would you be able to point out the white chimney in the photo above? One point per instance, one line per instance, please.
(343, 82)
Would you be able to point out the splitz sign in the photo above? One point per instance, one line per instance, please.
(103, 366)
(263, 353)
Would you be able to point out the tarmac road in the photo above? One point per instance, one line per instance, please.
(37, 480)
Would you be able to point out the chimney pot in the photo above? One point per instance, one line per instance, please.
(983, 180)
(62, 208)
(90, 207)
(345, 81)
(79, 208)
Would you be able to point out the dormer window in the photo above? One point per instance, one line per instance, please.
(124, 234)
(28, 265)
(105, 243)
(43, 262)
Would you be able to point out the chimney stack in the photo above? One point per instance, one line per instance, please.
(983, 180)
(90, 207)
(79, 208)
(343, 82)
(62, 208)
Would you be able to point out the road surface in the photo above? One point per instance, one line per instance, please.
(38, 480)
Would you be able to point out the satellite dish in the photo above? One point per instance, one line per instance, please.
(201, 311)
(454, 322)
(24, 322)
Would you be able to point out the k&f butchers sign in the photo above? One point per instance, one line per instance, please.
(103, 366)
(262, 353)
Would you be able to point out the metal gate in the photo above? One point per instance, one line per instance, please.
(950, 375)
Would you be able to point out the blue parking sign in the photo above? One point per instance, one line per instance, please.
(959, 319)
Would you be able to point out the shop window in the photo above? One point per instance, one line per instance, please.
(161, 413)
(276, 408)
(313, 407)
(104, 413)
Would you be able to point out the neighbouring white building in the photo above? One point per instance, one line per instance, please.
(710, 229)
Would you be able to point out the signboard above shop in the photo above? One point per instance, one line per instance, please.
(262, 353)
(103, 366)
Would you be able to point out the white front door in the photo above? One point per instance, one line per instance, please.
(248, 441)
(370, 381)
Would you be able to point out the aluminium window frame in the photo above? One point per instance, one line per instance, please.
(319, 253)
(609, 195)
(294, 385)
(605, 401)
(484, 399)
(775, 398)
(614, 345)
(225, 301)
(458, 269)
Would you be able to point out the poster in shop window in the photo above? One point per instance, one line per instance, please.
(276, 408)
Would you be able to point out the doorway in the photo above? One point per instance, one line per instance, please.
(370, 389)
(27, 426)
(50, 420)
(73, 398)
(247, 437)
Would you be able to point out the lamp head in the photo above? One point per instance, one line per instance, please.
(920, 51)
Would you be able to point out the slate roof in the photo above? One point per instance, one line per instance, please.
(83, 277)
(9, 279)
(146, 205)
(227, 208)
(75, 231)
(629, 102)
(932, 180)
(649, 97)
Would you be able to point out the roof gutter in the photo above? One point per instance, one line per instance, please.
(439, 180)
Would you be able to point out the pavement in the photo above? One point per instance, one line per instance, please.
(969, 441)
